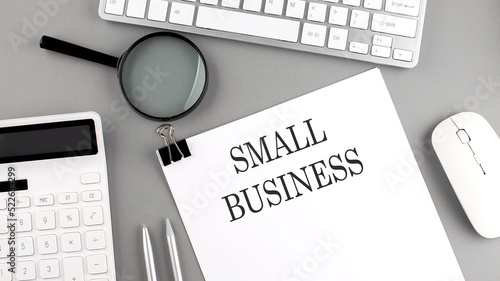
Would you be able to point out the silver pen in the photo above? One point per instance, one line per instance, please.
(172, 249)
(148, 254)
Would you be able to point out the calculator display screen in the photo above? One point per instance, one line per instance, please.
(47, 141)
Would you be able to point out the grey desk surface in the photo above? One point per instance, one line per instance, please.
(459, 70)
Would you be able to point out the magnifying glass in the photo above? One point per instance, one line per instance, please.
(163, 75)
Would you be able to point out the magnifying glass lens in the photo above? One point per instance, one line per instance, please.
(163, 76)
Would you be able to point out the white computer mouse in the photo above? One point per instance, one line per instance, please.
(469, 150)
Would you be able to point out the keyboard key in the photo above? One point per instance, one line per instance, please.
(115, 7)
(3, 224)
(373, 4)
(49, 268)
(317, 12)
(71, 242)
(97, 264)
(24, 222)
(25, 270)
(69, 218)
(136, 8)
(358, 47)
(24, 246)
(252, 5)
(235, 4)
(23, 202)
(403, 7)
(332, 1)
(73, 269)
(92, 195)
(313, 34)
(160, 11)
(44, 200)
(45, 220)
(380, 40)
(402, 55)
(360, 19)
(380, 51)
(68, 198)
(95, 240)
(337, 39)
(338, 15)
(394, 25)
(274, 7)
(352, 2)
(93, 215)
(248, 24)
(181, 14)
(210, 2)
(295, 9)
(5, 274)
(47, 244)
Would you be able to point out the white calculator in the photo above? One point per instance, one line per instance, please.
(55, 220)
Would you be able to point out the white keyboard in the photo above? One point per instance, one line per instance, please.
(61, 215)
(379, 31)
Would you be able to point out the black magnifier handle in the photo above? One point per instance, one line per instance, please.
(56, 45)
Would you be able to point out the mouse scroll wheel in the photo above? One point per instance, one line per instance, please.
(463, 136)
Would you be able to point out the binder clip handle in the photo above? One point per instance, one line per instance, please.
(166, 132)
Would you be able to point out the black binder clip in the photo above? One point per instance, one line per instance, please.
(167, 154)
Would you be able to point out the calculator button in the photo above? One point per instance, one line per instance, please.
(92, 195)
(44, 200)
(90, 178)
(3, 204)
(4, 249)
(24, 246)
(24, 222)
(25, 270)
(97, 264)
(5, 274)
(73, 269)
(23, 202)
(93, 215)
(45, 220)
(3, 224)
(69, 218)
(67, 198)
(95, 240)
(71, 242)
(47, 244)
(49, 268)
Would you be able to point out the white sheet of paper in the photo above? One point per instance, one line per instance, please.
(367, 217)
